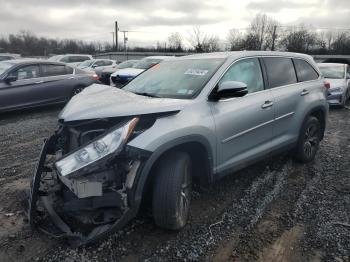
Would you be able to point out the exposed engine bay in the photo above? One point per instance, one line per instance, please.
(84, 182)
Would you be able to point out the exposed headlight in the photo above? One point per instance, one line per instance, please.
(112, 143)
(336, 89)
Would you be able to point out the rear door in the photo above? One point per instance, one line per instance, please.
(59, 82)
(24, 91)
(244, 124)
(289, 99)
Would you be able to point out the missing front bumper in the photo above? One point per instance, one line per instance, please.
(44, 214)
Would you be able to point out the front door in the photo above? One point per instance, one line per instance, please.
(23, 92)
(243, 124)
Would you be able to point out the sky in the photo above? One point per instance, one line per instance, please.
(155, 20)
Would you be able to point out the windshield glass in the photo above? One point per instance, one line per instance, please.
(86, 63)
(127, 64)
(333, 72)
(182, 79)
(146, 63)
(4, 66)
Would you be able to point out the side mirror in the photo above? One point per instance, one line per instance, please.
(348, 76)
(10, 78)
(230, 89)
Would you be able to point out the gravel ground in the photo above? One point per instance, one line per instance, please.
(276, 210)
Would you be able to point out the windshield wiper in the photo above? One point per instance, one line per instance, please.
(146, 94)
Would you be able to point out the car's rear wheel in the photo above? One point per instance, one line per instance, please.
(172, 191)
(77, 90)
(309, 139)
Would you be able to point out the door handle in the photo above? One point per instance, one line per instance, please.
(39, 82)
(267, 104)
(72, 77)
(304, 92)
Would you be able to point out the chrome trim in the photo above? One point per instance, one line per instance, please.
(284, 116)
(256, 127)
(246, 131)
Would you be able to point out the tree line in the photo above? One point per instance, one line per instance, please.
(263, 33)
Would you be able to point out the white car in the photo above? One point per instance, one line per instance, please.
(8, 56)
(123, 76)
(71, 59)
(91, 65)
(338, 77)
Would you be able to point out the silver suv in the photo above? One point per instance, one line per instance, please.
(195, 117)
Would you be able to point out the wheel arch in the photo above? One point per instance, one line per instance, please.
(198, 148)
(321, 114)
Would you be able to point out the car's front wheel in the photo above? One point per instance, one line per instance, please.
(172, 191)
(309, 139)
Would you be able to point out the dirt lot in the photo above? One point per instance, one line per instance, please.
(276, 210)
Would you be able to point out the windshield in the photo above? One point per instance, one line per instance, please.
(182, 79)
(4, 66)
(146, 63)
(127, 64)
(333, 72)
(86, 63)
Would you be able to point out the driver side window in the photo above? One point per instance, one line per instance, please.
(26, 72)
(247, 71)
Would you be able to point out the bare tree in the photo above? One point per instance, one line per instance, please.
(196, 38)
(263, 28)
(329, 37)
(211, 44)
(175, 42)
(234, 39)
(299, 39)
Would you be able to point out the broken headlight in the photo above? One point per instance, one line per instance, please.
(111, 143)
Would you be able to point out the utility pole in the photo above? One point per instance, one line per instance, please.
(274, 36)
(113, 40)
(125, 40)
(116, 35)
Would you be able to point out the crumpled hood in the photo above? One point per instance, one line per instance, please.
(335, 83)
(128, 72)
(101, 101)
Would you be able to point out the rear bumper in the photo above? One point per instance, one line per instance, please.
(44, 215)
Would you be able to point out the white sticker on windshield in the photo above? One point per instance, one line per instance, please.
(196, 72)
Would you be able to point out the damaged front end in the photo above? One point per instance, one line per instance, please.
(82, 188)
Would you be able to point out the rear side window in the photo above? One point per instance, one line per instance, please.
(74, 59)
(69, 70)
(54, 70)
(305, 71)
(107, 62)
(280, 71)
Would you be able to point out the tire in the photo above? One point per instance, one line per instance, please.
(172, 191)
(309, 140)
(77, 90)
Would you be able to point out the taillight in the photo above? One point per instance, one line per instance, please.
(95, 77)
(327, 85)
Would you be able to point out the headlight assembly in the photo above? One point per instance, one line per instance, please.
(112, 143)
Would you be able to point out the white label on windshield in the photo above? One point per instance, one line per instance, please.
(196, 72)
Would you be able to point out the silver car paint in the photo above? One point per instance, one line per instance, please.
(237, 130)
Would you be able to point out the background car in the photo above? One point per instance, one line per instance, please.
(338, 76)
(71, 59)
(104, 73)
(92, 65)
(29, 83)
(124, 76)
(8, 56)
